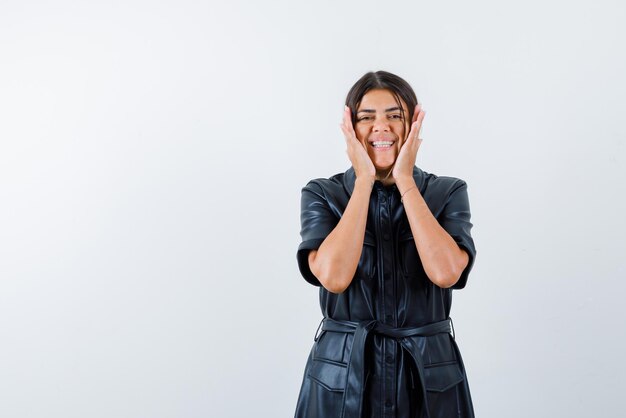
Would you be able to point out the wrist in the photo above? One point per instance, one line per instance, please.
(405, 183)
(365, 182)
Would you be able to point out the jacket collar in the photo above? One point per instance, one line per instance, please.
(349, 179)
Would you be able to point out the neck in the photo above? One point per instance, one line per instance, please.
(385, 177)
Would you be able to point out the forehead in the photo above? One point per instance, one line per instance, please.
(379, 99)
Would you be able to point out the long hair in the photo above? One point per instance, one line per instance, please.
(398, 87)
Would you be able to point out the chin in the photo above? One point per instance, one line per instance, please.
(383, 173)
(384, 167)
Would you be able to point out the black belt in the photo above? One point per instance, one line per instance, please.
(355, 386)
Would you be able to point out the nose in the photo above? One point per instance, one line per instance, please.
(381, 124)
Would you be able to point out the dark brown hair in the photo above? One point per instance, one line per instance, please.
(383, 80)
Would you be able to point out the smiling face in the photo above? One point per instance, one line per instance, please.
(380, 126)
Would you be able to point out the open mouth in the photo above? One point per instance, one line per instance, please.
(382, 145)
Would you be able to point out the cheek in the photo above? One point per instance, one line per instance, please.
(361, 137)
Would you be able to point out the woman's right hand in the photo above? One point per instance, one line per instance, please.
(361, 161)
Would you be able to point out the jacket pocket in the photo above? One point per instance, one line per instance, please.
(441, 377)
(367, 263)
(331, 346)
(410, 261)
(331, 375)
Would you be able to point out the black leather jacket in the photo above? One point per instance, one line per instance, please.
(384, 347)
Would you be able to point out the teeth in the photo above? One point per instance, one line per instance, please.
(382, 143)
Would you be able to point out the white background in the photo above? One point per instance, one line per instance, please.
(151, 159)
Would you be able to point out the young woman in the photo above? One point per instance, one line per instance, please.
(386, 242)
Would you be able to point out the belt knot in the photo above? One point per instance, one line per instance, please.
(355, 384)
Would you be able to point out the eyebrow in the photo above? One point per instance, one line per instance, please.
(391, 109)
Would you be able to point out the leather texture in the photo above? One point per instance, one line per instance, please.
(384, 347)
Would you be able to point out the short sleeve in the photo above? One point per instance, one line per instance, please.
(317, 222)
(455, 219)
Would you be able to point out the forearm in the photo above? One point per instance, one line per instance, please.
(336, 260)
(443, 260)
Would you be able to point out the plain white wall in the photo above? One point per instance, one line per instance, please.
(151, 159)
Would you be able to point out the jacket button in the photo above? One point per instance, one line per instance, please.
(386, 236)
(389, 358)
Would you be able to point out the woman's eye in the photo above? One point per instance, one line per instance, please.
(364, 118)
(395, 117)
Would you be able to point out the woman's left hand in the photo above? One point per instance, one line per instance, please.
(403, 166)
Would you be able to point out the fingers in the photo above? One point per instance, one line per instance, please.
(416, 112)
(346, 133)
(416, 126)
(356, 150)
(420, 115)
(347, 128)
(343, 125)
(347, 120)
